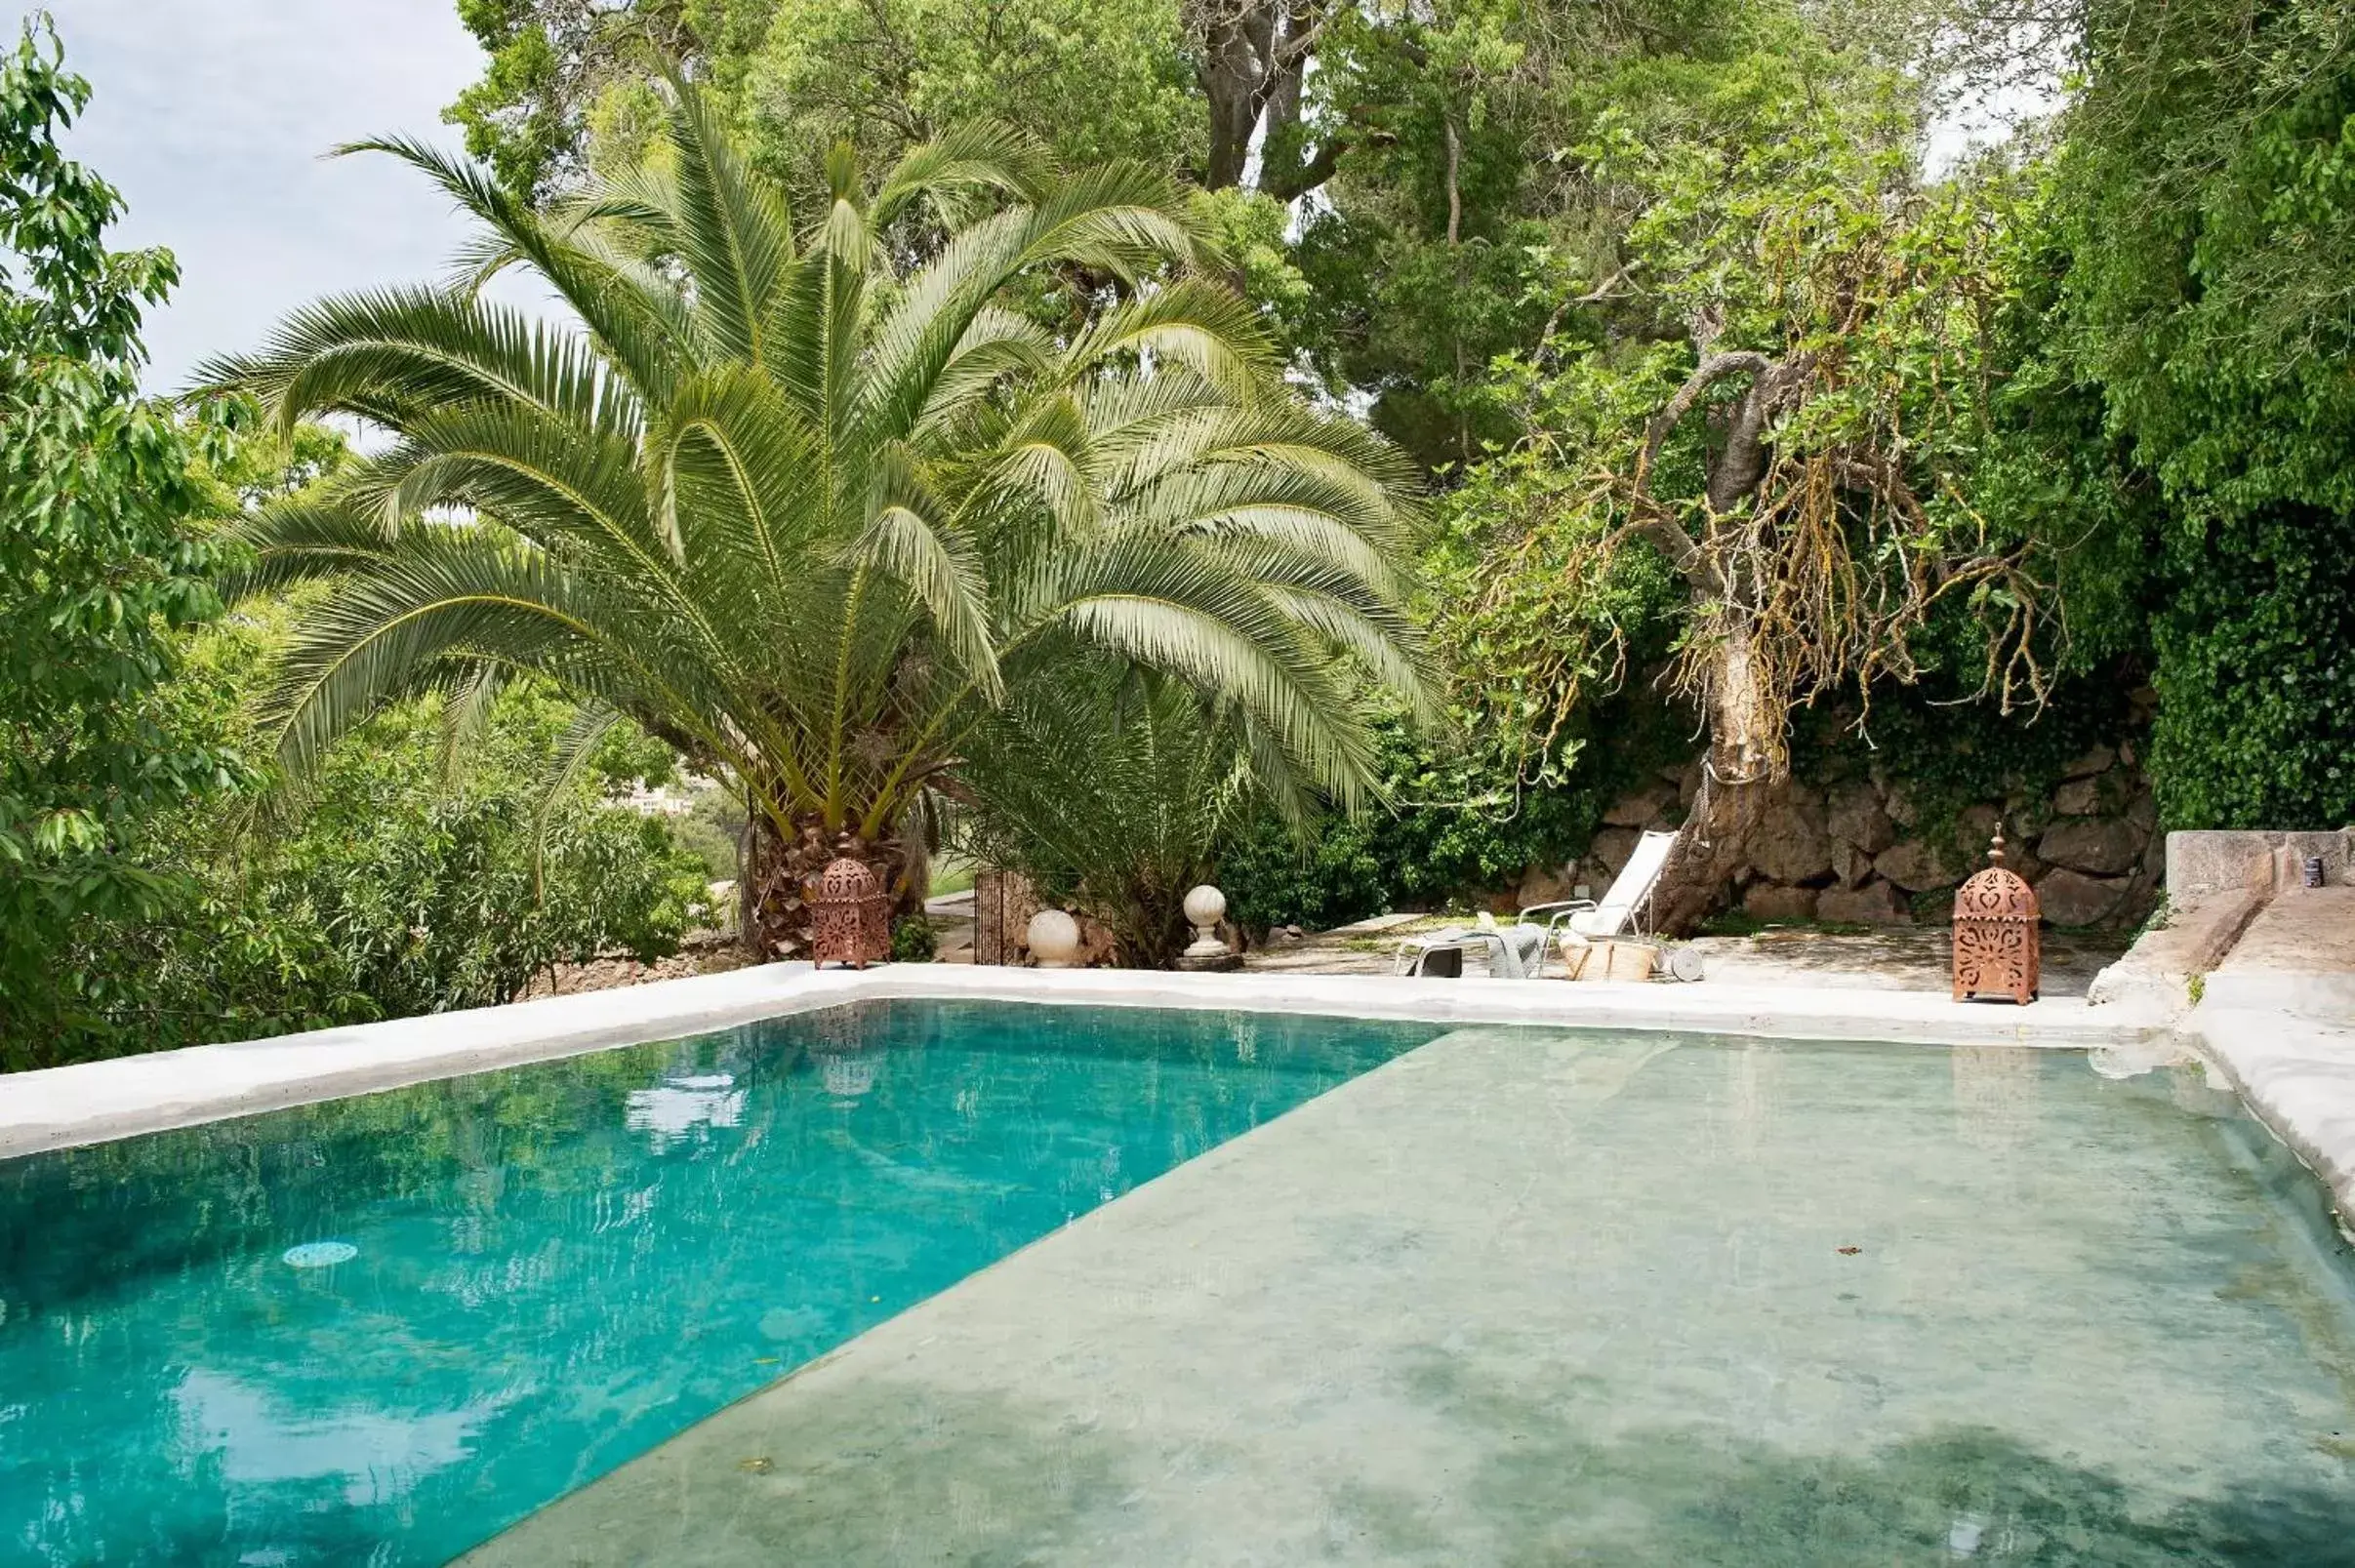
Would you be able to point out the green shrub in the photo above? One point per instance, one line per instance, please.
(913, 941)
(1457, 825)
(2256, 679)
(399, 882)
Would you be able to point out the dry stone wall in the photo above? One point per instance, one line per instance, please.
(1856, 850)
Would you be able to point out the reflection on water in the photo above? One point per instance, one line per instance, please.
(672, 1110)
(374, 1457)
(1995, 1100)
(556, 1267)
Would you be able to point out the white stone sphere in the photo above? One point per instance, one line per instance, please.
(1206, 905)
(1054, 938)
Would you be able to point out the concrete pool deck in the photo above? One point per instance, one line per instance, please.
(2277, 1018)
(95, 1101)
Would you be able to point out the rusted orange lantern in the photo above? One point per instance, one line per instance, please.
(1997, 950)
(850, 916)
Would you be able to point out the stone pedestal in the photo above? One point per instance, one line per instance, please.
(1205, 906)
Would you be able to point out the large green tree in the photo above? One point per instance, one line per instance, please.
(569, 85)
(1790, 429)
(2206, 193)
(99, 562)
(810, 501)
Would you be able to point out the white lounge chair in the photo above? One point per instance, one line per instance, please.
(1515, 952)
(1626, 907)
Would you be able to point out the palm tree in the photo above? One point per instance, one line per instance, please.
(810, 501)
(1110, 789)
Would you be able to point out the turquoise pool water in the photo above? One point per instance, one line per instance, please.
(379, 1330)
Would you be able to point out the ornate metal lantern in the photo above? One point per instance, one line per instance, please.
(1996, 947)
(850, 916)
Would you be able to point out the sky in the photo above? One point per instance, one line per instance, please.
(211, 116)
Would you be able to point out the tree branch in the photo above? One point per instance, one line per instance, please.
(1656, 528)
(1309, 174)
(1712, 369)
(1455, 194)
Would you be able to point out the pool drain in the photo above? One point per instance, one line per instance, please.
(321, 1254)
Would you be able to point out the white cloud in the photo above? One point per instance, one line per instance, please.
(211, 117)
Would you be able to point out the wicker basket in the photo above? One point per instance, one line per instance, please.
(1610, 962)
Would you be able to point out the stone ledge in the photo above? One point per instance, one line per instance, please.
(2158, 970)
(2299, 1078)
(96, 1101)
(2202, 864)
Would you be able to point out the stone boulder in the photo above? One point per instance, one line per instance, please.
(1852, 866)
(1855, 819)
(2072, 898)
(1792, 844)
(1876, 904)
(2079, 797)
(1641, 808)
(1767, 902)
(1543, 884)
(1610, 848)
(2099, 760)
(1919, 865)
(2104, 846)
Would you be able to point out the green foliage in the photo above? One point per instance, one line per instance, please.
(2256, 677)
(1460, 819)
(100, 563)
(813, 503)
(550, 66)
(1466, 215)
(712, 830)
(1110, 790)
(913, 941)
(407, 877)
(2208, 186)
(1097, 79)
(570, 88)
(437, 892)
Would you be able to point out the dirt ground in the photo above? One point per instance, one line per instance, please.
(1909, 958)
(706, 953)
(1913, 958)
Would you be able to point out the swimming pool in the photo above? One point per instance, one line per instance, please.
(380, 1329)
(1527, 1298)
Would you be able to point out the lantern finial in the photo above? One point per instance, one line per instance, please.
(1994, 849)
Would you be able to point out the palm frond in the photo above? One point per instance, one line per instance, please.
(303, 539)
(733, 231)
(638, 328)
(381, 354)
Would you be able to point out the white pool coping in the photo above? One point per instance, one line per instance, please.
(93, 1102)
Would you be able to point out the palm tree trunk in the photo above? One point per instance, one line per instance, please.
(782, 873)
(778, 873)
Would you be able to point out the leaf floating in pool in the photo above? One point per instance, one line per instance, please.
(321, 1254)
(1850, 1252)
(756, 1467)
